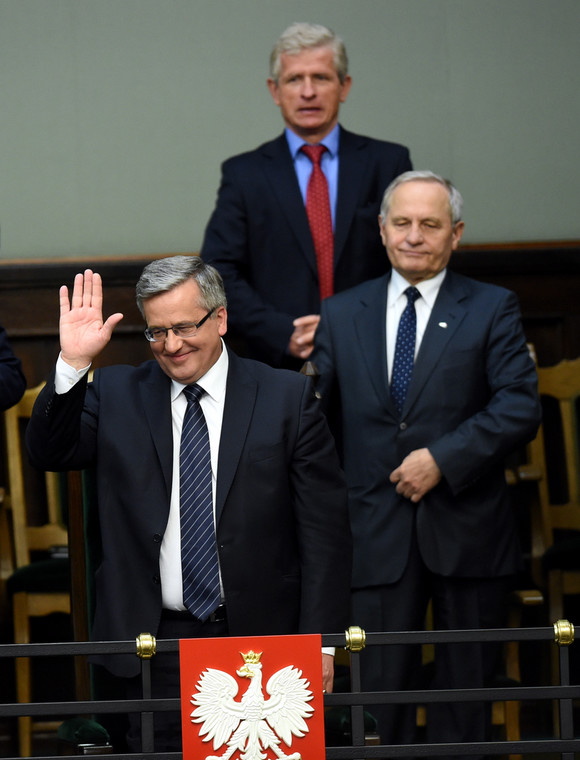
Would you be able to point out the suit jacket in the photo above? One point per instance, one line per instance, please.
(471, 401)
(259, 239)
(12, 381)
(281, 506)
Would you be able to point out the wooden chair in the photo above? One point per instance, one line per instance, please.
(554, 465)
(40, 582)
(6, 556)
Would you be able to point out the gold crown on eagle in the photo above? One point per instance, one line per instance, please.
(251, 657)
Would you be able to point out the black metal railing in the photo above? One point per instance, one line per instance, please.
(564, 745)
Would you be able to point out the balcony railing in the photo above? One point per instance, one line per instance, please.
(564, 745)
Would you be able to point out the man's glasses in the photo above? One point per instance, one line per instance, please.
(184, 330)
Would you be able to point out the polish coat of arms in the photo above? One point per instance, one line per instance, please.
(254, 726)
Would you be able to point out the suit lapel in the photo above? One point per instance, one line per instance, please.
(156, 401)
(351, 173)
(447, 315)
(241, 392)
(370, 326)
(281, 176)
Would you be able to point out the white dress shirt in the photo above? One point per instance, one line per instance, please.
(396, 303)
(212, 405)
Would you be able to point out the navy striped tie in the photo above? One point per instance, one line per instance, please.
(199, 560)
(404, 350)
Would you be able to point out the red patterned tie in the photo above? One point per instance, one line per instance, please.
(320, 220)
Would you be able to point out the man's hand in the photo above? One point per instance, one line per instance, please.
(83, 335)
(327, 672)
(417, 474)
(302, 339)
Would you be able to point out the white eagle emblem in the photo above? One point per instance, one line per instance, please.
(253, 725)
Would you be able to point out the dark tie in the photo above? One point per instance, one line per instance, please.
(404, 350)
(199, 560)
(320, 220)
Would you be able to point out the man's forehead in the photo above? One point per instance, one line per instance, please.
(419, 196)
(321, 53)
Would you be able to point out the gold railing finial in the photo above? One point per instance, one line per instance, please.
(563, 633)
(146, 646)
(355, 639)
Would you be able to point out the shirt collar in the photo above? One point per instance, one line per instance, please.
(213, 382)
(429, 289)
(330, 141)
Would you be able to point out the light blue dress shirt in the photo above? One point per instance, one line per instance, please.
(329, 164)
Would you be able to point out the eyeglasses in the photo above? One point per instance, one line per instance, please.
(184, 330)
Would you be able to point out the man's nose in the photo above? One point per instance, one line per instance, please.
(415, 235)
(308, 89)
(172, 342)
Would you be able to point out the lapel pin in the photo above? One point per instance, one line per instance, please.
(442, 324)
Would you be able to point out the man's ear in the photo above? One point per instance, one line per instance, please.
(274, 91)
(346, 85)
(457, 234)
(222, 319)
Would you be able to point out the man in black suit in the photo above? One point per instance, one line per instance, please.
(259, 236)
(429, 509)
(12, 381)
(279, 499)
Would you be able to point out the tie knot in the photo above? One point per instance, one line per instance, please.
(412, 294)
(314, 152)
(193, 392)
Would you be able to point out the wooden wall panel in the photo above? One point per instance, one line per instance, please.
(545, 276)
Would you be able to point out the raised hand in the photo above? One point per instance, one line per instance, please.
(83, 334)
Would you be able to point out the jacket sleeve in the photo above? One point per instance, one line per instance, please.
(324, 537)
(61, 433)
(512, 414)
(12, 380)
(226, 246)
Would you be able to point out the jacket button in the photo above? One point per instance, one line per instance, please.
(403, 426)
(157, 538)
(156, 579)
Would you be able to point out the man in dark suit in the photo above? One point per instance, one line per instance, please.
(12, 381)
(259, 236)
(429, 510)
(279, 500)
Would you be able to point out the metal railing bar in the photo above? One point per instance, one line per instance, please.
(424, 696)
(392, 638)
(419, 696)
(532, 747)
(356, 711)
(71, 647)
(16, 709)
(472, 635)
(147, 732)
(117, 756)
(566, 716)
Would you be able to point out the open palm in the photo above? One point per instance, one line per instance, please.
(83, 334)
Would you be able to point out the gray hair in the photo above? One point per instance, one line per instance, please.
(163, 275)
(455, 198)
(303, 36)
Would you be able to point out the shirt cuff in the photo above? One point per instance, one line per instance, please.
(328, 650)
(66, 376)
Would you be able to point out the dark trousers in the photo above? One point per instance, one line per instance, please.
(165, 682)
(458, 603)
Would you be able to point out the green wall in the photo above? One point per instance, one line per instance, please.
(116, 114)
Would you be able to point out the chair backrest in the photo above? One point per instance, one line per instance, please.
(38, 526)
(554, 458)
